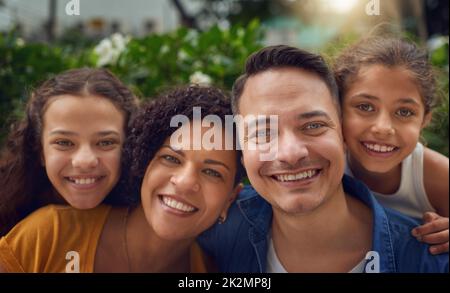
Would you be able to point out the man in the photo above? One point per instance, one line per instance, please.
(302, 214)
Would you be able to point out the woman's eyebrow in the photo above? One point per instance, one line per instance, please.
(180, 152)
(214, 162)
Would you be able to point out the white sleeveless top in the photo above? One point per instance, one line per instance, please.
(410, 198)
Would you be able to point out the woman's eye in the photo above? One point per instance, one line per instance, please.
(64, 143)
(106, 143)
(171, 159)
(365, 107)
(213, 173)
(405, 112)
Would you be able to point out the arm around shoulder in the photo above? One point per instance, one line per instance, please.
(436, 182)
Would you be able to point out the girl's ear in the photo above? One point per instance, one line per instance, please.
(427, 119)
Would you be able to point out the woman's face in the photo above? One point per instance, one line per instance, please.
(184, 191)
(82, 141)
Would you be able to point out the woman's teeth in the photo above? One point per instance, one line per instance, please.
(83, 181)
(170, 202)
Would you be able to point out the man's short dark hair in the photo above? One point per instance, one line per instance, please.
(280, 56)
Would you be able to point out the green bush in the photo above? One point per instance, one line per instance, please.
(147, 64)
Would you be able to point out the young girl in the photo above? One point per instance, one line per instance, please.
(183, 191)
(387, 96)
(67, 148)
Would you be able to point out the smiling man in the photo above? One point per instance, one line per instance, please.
(302, 214)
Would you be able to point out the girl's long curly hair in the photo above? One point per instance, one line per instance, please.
(24, 185)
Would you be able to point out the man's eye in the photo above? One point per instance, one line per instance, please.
(314, 126)
(171, 159)
(213, 173)
(365, 107)
(405, 113)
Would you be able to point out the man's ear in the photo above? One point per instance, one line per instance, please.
(234, 194)
(427, 119)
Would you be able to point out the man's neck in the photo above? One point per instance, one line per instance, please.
(333, 237)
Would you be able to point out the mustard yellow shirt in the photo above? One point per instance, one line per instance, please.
(47, 239)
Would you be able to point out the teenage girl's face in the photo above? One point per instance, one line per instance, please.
(383, 114)
(82, 139)
(184, 191)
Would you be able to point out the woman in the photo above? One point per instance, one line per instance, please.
(183, 191)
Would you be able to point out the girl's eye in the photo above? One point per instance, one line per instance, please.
(365, 107)
(171, 159)
(212, 172)
(405, 113)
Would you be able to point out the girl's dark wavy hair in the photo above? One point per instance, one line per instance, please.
(152, 127)
(24, 185)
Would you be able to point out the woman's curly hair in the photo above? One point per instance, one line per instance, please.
(151, 128)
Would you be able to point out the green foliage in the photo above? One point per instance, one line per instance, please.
(147, 64)
(436, 134)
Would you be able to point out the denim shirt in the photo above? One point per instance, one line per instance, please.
(241, 243)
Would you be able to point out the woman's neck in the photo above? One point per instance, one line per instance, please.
(149, 253)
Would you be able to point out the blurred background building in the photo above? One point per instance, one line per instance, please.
(306, 23)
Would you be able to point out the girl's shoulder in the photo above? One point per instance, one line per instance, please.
(435, 176)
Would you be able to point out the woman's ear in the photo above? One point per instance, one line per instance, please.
(231, 199)
(427, 119)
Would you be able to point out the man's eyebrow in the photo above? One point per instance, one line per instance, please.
(314, 114)
(214, 162)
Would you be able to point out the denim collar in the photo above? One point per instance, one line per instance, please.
(258, 213)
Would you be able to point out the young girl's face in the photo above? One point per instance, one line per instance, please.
(383, 114)
(82, 139)
(184, 191)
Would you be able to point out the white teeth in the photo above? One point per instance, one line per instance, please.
(83, 181)
(379, 148)
(177, 205)
(293, 177)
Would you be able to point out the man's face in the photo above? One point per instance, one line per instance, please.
(309, 160)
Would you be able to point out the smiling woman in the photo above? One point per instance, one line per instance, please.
(175, 193)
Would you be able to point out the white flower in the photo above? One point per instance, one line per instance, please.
(105, 52)
(110, 49)
(182, 55)
(20, 42)
(119, 42)
(164, 49)
(200, 78)
(436, 42)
